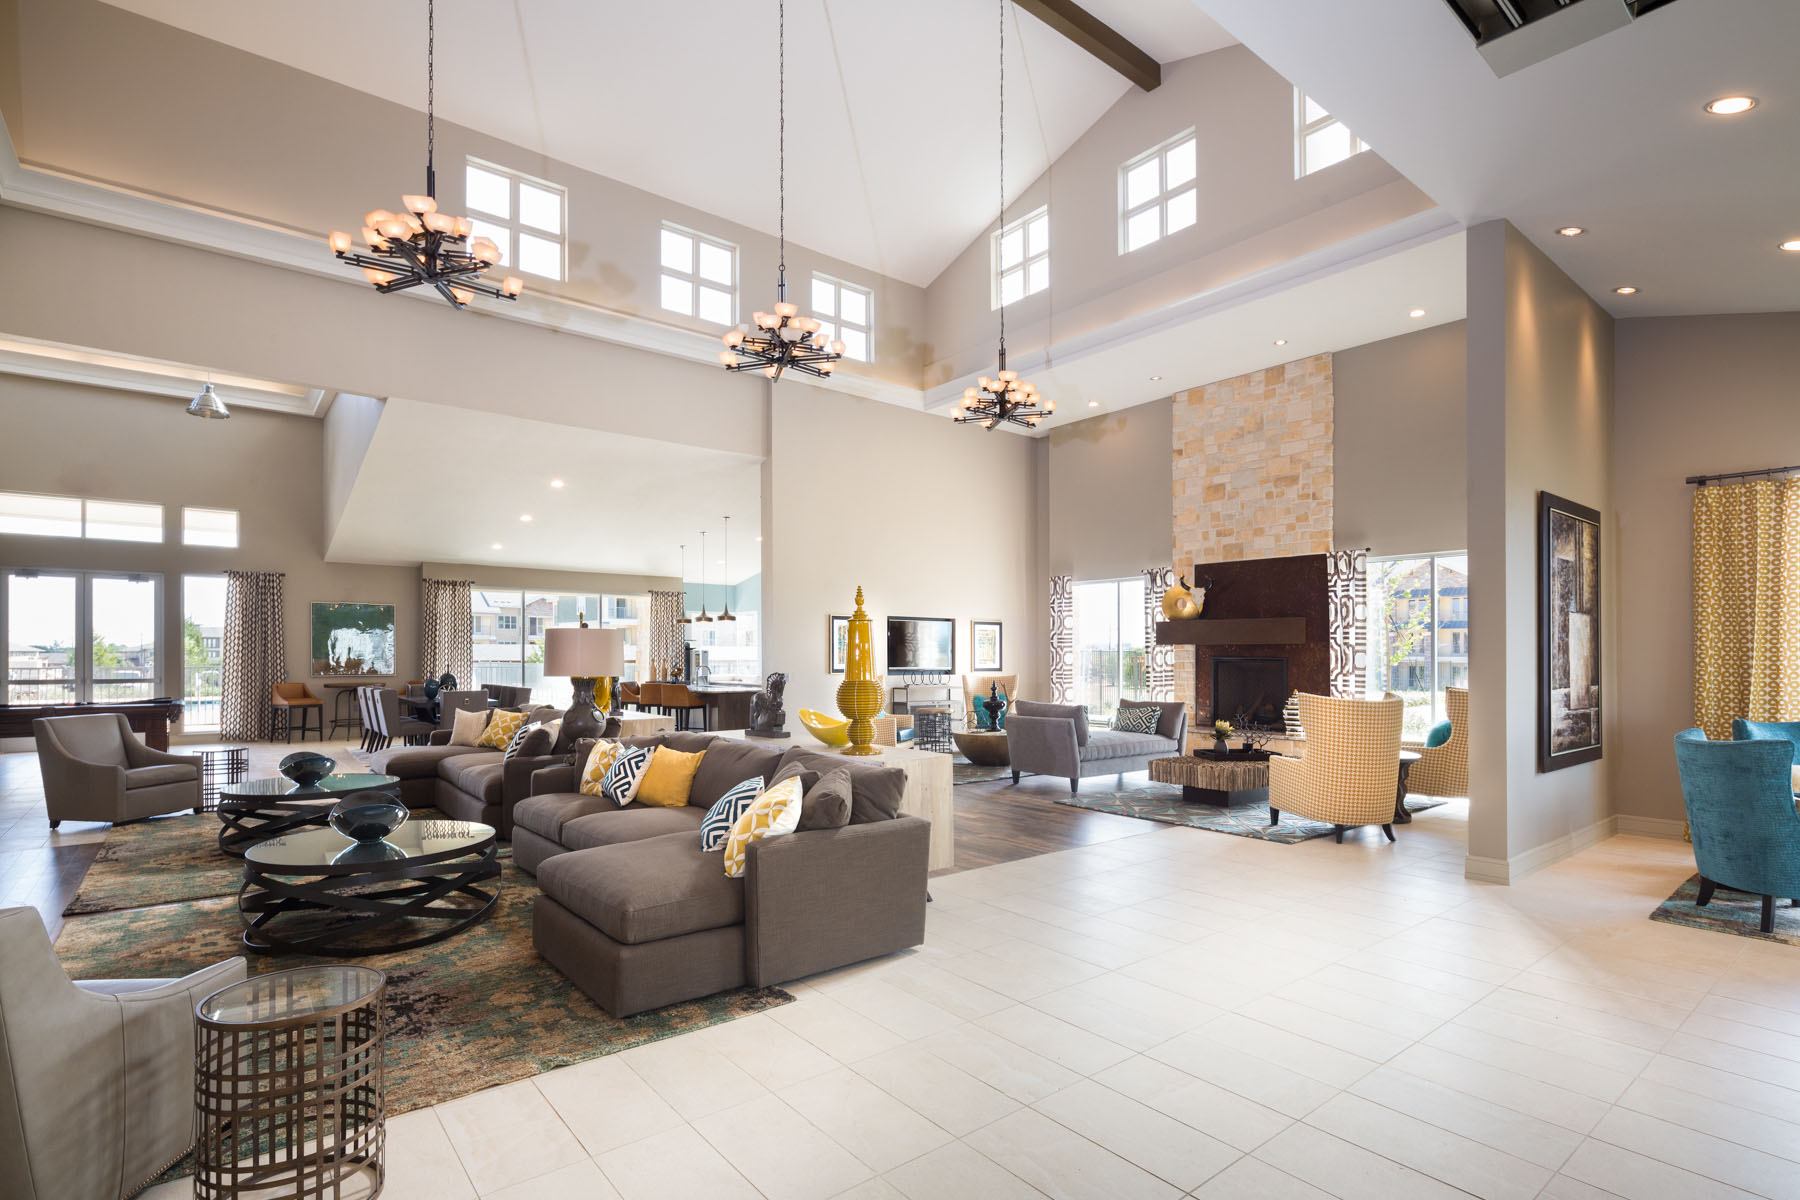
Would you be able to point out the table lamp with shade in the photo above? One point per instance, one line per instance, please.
(588, 656)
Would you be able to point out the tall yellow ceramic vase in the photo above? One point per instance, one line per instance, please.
(859, 696)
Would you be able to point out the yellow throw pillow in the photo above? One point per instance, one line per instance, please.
(500, 729)
(598, 760)
(776, 811)
(467, 727)
(669, 777)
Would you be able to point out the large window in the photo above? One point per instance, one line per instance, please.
(525, 217)
(1419, 633)
(845, 311)
(1109, 645)
(699, 275)
(73, 517)
(510, 627)
(1320, 139)
(1157, 196)
(729, 650)
(1021, 256)
(81, 636)
(202, 650)
(209, 527)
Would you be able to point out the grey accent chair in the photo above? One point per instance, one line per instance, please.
(391, 723)
(96, 769)
(96, 1078)
(1054, 739)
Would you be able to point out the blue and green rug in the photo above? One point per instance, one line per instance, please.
(1728, 912)
(1163, 803)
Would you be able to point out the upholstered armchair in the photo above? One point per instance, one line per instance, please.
(975, 690)
(1444, 770)
(96, 1078)
(1740, 809)
(1352, 765)
(1744, 731)
(96, 769)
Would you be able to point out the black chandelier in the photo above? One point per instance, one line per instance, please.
(1004, 399)
(421, 245)
(783, 338)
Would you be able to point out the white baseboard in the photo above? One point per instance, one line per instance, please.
(1657, 827)
(1511, 870)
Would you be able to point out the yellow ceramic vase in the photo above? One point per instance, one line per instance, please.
(859, 696)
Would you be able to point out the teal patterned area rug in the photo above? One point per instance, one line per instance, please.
(1164, 803)
(1728, 912)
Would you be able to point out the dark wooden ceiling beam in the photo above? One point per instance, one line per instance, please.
(1098, 39)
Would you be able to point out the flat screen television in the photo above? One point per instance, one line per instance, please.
(921, 645)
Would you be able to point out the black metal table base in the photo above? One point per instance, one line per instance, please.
(366, 901)
(242, 825)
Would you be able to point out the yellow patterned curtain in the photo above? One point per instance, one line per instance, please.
(1746, 603)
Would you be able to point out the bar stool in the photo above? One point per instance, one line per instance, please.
(286, 699)
(678, 700)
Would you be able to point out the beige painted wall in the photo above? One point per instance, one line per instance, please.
(1695, 395)
(1540, 388)
(1253, 213)
(1401, 443)
(216, 126)
(1108, 493)
(931, 519)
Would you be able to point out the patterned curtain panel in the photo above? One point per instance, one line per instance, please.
(1062, 639)
(447, 630)
(255, 654)
(663, 641)
(1159, 669)
(1746, 603)
(1347, 587)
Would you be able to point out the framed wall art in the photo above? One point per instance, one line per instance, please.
(986, 646)
(352, 639)
(837, 642)
(1569, 700)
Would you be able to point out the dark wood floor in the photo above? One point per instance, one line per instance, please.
(998, 821)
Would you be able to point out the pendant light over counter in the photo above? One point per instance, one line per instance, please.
(704, 618)
(684, 619)
(725, 614)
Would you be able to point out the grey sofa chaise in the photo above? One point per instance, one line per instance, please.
(638, 916)
(96, 769)
(1054, 739)
(469, 783)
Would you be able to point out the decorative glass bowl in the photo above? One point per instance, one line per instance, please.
(367, 816)
(307, 767)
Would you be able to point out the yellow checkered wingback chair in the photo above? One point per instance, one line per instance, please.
(1444, 770)
(1351, 768)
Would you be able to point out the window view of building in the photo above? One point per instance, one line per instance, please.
(727, 651)
(1110, 658)
(1419, 633)
(81, 636)
(202, 650)
(509, 629)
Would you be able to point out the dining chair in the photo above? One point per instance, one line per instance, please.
(396, 725)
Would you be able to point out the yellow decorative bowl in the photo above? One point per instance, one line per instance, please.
(830, 730)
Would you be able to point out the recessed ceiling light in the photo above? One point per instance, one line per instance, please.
(1416, 313)
(556, 483)
(1627, 290)
(496, 546)
(759, 537)
(524, 516)
(1571, 231)
(1792, 245)
(1731, 106)
(1156, 379)
(1281, 341)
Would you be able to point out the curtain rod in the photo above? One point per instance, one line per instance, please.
(1703, 480)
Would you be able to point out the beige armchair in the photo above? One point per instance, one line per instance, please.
(1444, 770)
(96, 769)
(96, 1078)
(1351, 769)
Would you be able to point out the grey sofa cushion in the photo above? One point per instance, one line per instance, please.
(546, 815)
(688, 741)
(1073, 712)
(422, 762)
(875, 791)
(161, 773)
(1169, 715)
(482, 778)
(1110, 743)
(826, 804)
(726, 764)
(647, 891)
(633, 823)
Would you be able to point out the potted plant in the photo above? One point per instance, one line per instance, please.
(1221, 731)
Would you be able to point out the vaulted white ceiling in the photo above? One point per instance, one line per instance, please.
(891, 107)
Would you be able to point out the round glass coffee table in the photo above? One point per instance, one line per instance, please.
(263, 808)
(318, 892)
(288, 1084)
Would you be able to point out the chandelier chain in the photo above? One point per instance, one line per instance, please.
(781, 135)
(430, 87)
(1003, 169)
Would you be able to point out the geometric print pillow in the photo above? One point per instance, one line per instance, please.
(1137, 720)
(774, 812)
(716, 826)
(627, 771)
(523, 738)
(599, 759)
(501, 728)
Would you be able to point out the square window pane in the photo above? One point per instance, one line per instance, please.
(677, 251)
(1038, 236)
(124, 522)
(123, 614)
(715, 263)
(1143, 229)
(540, 208)
(1313, 110)
(715, 306)
(46, 516)
(1142, 182)
(1012, 248)
(540, 256)
(209, 527)
(1038, 275)
(502, 238)
(487, 192)
(828, 329)
(1326, 146)
(855, 310)
(1012, 286)
(1179, 164)
(678, 295)
(856, 345)
(1181, 211)
(824, 301)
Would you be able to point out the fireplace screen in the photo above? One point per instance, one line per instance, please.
(1249, 690)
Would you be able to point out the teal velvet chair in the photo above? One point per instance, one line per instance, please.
(1740, 808)
(1747, 731)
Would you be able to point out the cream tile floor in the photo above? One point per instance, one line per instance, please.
(1182, 1013)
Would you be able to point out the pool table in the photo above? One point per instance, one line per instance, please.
(149, 719)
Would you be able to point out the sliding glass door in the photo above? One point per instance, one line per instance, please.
(510, 627)
(1419, 633)
(81, 636)
(1109, 644)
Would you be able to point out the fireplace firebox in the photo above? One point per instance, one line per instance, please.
(1252, 689)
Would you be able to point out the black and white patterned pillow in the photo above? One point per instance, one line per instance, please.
(1137, 720)
(716, 826)
(522, 740)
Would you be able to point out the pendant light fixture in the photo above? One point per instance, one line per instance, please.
(684, 619)
(783, 338)
(207, 404)
(704, 618)
(1004, 399)
(422, 245)
(725, 614)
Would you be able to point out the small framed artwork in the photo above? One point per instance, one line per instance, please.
(1569, 701)
(837, 646)
(985, 645)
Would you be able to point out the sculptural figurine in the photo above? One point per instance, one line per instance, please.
(994, 706)
(1182, 603)
(766, 714)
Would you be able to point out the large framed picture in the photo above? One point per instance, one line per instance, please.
(353, 639)
(837, 642)
(985, 646)
(1569, 702)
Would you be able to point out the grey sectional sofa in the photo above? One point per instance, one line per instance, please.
(639, 917)
(1054, 739)
(465, 782)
